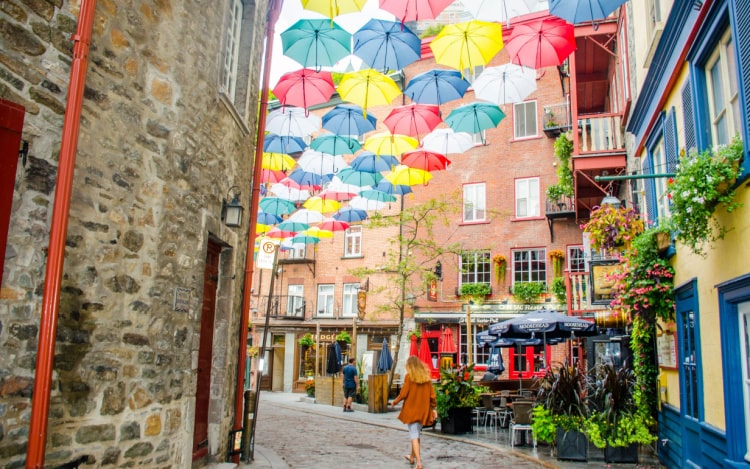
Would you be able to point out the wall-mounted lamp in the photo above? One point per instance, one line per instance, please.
(439, 270)
(611, 200)
(231, 212)
(410, 299)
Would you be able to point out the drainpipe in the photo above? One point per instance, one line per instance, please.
(58, 232)
(274, 10)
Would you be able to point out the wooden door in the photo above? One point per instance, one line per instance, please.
(11, 126)
(205, 351)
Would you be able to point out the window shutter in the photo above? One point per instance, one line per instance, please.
(649, 189)
(670, 142)
(742, 15)
(688, 117)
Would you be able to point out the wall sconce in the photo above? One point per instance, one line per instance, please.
(611, 200)
(439, 270)
(231, 212)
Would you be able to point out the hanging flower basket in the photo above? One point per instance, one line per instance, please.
(613, 228)
(499, 262)
(557, 257)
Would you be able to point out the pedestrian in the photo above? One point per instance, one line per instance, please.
(351, 384)
(420, 402)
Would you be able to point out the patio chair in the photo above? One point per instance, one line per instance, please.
(490, 413)
(504, 412)
(521, 420)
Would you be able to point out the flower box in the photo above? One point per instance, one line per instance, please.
(458, 421)
(621, 454)
(572, 445)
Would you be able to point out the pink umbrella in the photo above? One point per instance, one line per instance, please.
(543, 43)
(304, 88)
(425, 160)
(413, 349)
(331, 224)
(268, 175)
(413, 119)
(414, 10)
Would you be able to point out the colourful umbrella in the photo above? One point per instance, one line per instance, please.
(379, 196)
(335, 144)
(415, 10)
(304, 215)
(279, 234)
(413, 350)
(321, 205)
(358, 178)
(277, 161)
(261, 228)
(413, 119)
(283, 144)
(386, 45)
(276, 205)
(367, 205)
(270, 176)
(292, 121)
(447, 345)
(317, 232)
(475, 117)
(320, 163)
(304, 239)
(543, 43)
(306, 179)
(499, 10)
(467, 45)
(407, 176)
(368, 88)
(333, 8)
(392, 189)
(425, 160)
(316, 43)
(304, 88)
(348, 119)
(447, 141)
(372, 163)
(437, 87)
(389, 144)
(582, 11)
(290, 225)
(350, 215)
(331, 224)
(331, 194)
(338, 186)
(268, 218)
(426, 356)
(508, 83)
(294, 194)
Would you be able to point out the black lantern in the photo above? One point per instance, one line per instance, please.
(439, 270)
(231, 212)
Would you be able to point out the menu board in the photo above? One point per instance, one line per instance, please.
(666, 346)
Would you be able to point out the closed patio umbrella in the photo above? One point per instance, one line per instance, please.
(385, 362)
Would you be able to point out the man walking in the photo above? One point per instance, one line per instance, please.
(351, 384)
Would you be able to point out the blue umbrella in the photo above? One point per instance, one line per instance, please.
(306, 179)
(389, 188)
(286, 144)
(370, 162)
(348, 119)
(350, 215)
(316, 43)
(582, 11)
(386, 45)
(359, 178)
(335, 144)
(436, 86)
(385, 362)
(265, 218)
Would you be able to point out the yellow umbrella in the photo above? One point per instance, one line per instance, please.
(406, 176)
(317, 232)
(321, 205)
(277, 161)
(467, 45)
(368, 88)
(261, 228)
(390, 144)
(331, 8)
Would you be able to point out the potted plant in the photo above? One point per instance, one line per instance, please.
(559, 291)
(475, 289)
(528, 292)
(414, 333)
(612, 228)
(562, 411)
(306, 340)
(702, 183)
(499, 262)
(344, 337)
(457, 395)
(310, 386)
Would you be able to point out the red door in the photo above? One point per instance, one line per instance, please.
(11, 125)
(205, 351)
(529, 363)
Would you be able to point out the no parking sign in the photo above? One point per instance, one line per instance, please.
(266, 254)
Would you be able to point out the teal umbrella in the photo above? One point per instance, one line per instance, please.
(371, 194)
(475, 117)
(335, 144)
(304, 239)
(292, 225)
(359, 178)
(316, 43)
(276, 205)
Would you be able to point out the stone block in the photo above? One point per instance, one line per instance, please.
(95, 433)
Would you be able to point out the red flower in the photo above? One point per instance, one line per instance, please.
(466, 376)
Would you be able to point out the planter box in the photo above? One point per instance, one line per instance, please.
(572, 445)
(621, 454)
(458, 421)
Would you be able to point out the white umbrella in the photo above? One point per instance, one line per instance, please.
(508, 83)
(321, 163)
(289, 193)
(337, 185)
(304, 215)
(292, 121)
(365, 204)
(502, 10)
(445, 141)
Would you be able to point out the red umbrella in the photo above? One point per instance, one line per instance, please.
(413, 119)
(280, 234)
(413, 10)
(413, 349)
(543, 43)
(268, 175)
(447, 346)
(425, 355)
(425, 159)
(304, 88)
(331, 224)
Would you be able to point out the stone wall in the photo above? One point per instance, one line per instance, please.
(159, 148)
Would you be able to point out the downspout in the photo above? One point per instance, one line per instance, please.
(274, 10)
(58, 232)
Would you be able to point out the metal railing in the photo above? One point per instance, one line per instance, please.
(284, 307)
(556, 116)
(561, 205)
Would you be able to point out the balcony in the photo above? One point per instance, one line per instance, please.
(600, 133)
(284, 307)
(561, 208)
(556, 119)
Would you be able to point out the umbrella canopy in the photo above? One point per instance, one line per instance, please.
(389, 144)
(358, 178)
(321, 163)
(277, 161)
(304, 88)
(331, 194)
(372, 163)
(293, 194)
(305, 215)
(273, 143)
(467, 45)
(276, 233)
(413, 349)
(335, 144)
(304, 239)
(316, 43)
(542, 43)
(348, 119)
(508, 83)
(447, 141)
(551, 324)
(437, 87)
(413, 119)
(293, 226)
(385, 362)
(386, 45)
(407, 176)
(368, 88)
(475, 117)
(333, 8)
(447, 345)
(268, 218)
(582, 11)
(392, 189)
(367, 205)
(318, 204)
(276, 205)
(498, 10)
(271, 176)
(425, 160)
(350, 215)
(372, 194)
(292, 121)
(316, 232)
(306, 179)
(331, 224)
(426, 356)
(414, 10)
(340, 189)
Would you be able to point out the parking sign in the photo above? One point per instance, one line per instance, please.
(266, 254)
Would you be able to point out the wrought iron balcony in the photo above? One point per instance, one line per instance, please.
(284, 307)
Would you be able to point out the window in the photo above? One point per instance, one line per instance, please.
(232, 48)
(238, 53)
(527, 198)
(480, 353)
(325, 300)
(479, 138)
(525, 119)
(353, 241)
(576, 259)
(744, 333)
(471, 74)
(297, 251)
(474, 202)
(659, 165)
(723, 96)
(349, 299)
(295, 305)
(475, 267)
(529, 265)
(689, 364)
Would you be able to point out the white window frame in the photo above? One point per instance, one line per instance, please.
(475, 202)
(723, 61)
(353, 241)
(527, 272)
(471, 74)
(232, 49)
(298, 293)
(479, 138)
(576, 256)
(325, 302)
(659, 165)
(521, 122)
(474, 267)
(527, 198)
(349, 300)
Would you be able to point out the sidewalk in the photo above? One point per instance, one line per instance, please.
(498, 441)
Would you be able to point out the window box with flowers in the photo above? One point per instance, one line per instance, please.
(457, 395)
(499, 262)
(613, 229)
(703, 182)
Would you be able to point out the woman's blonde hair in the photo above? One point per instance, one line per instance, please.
(417, 370)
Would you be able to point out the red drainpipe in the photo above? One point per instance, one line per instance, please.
(274, 10)
(58, 232)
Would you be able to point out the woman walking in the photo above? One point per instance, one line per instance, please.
(420, 401)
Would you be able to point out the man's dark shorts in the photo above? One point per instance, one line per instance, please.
(350, 392)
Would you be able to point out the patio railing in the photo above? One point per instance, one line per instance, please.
(284, 307)
(600, 132)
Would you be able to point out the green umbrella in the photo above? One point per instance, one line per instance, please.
(475, 117)
(276, 205)
(316, 43)
(380, 196)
